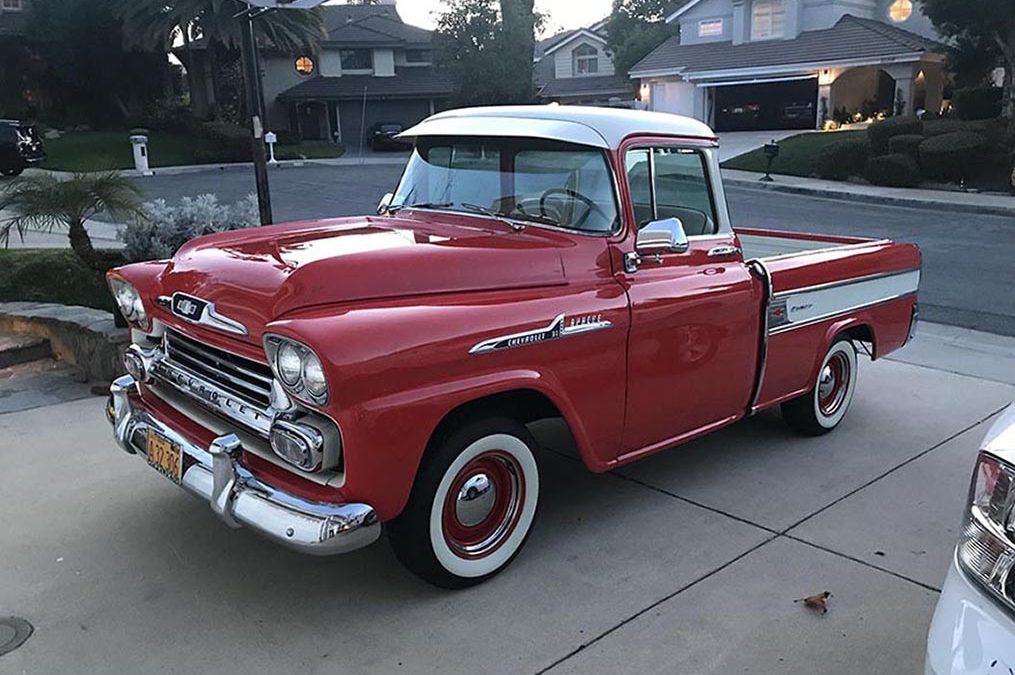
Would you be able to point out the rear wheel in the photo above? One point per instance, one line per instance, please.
(822, 408)
(472, 506)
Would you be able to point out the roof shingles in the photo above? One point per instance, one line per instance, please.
(851, 38)
(407, 83)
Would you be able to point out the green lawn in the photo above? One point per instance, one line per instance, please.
(101, 150)
(53, 275)
(796, 153)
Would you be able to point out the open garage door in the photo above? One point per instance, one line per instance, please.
(770, 105)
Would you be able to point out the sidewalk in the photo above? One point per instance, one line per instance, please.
(966, 202)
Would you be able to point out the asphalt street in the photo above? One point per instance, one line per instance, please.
(968, 268)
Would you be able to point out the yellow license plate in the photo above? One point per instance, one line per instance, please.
(165, 456)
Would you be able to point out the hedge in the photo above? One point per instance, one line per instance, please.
(952, 156)
(879, 133)
(978, 103)
(894, 170)
(906, 144)
(841, 159)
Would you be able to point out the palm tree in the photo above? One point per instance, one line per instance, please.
(45, 203)
(161, 24)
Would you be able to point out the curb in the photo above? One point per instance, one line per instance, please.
(911, 202)
(345, 160)
(85, 338)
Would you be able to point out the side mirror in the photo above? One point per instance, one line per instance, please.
(662, 236)
(385, 203)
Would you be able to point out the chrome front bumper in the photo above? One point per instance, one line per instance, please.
(239, 498)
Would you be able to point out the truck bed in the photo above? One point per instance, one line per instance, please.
(765, 244)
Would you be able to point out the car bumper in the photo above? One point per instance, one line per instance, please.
(236, 495)
(970, 634)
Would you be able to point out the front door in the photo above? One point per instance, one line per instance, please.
(695, 315)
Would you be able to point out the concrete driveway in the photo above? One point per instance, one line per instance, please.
(687, 562)
(735, 143)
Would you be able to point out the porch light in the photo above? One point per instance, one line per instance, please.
(826, 78)
(645, 92)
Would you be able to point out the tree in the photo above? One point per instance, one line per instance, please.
(518, 43)
(465, 44)
(159, 24)
(83, 72)
(45, 202)
(636, 27)
(489, 59)
(988, 24)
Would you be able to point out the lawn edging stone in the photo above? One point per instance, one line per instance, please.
(85, 338)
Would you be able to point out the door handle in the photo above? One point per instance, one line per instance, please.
(723, 251)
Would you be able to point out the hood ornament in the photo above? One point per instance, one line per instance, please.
(200, 312)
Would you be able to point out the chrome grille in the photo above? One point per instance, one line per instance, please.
(241, 377)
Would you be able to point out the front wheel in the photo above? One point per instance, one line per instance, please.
(822, 408)
(472, 506)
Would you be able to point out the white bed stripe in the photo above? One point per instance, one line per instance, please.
(793, 309)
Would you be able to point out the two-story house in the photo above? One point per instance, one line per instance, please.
(789, 64)
(576, 67)
(371, 67)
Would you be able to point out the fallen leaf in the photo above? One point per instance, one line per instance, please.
(817, 602)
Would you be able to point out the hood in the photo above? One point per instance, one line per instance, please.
(258, 275)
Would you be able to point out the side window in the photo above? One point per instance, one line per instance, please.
(671, 183)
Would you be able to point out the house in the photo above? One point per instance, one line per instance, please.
(575, 67)
(791, 64)
(371, 67)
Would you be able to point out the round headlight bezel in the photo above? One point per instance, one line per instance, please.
(289, 373)
(316, 390)
(129, 301)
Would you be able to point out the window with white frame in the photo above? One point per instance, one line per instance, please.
(586, 60)
(768, 19)
(710, 28)
(11, 5)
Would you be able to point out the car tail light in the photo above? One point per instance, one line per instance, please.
(987, 548)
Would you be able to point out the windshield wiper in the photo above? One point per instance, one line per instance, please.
(498, 215)
(395, 208)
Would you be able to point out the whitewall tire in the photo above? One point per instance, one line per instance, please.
(823, 407)
(472, 506)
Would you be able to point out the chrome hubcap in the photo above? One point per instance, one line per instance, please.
(475, 500)
(833, 384)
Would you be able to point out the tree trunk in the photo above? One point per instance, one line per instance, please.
(81, 243)
(517, 45)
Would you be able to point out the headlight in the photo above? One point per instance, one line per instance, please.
(129, 301)
(298, 368)
(987, 548)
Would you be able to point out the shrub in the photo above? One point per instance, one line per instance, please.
(879, 133)
(906, 144)
(952, 156)
(841, 159)
(894, 170)
(230, 143)
(162, 229)
(977, 103)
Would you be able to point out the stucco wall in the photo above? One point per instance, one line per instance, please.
(714, 9)
(279, 74)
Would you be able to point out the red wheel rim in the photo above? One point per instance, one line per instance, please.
(833, 384)
(483, 505)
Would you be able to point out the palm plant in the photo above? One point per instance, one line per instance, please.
(158, 24)
(45, 203)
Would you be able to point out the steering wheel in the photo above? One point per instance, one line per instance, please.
(554, 212)
(590, 205)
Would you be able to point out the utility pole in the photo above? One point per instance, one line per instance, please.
(255, 108)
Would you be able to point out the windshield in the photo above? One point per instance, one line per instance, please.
(529, 180)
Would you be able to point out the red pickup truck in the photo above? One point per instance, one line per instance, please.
(314, 380)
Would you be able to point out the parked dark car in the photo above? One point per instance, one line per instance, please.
(20, 146)
(381, 136)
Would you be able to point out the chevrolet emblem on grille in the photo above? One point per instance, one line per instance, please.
(201, 312)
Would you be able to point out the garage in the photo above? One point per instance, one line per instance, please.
(351, 115)
(765, 106)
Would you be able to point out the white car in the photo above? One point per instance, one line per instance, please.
(973, 631)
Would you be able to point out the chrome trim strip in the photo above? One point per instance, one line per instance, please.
(844, 282)
(238, 497)
(758, 267)
(210, 317)
(810, 322)
(555, 330)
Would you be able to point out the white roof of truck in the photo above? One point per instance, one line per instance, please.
(584, 125)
